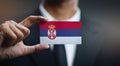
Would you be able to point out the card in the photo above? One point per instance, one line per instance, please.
(61, 32)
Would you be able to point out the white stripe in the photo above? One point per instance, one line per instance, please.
(61, 40)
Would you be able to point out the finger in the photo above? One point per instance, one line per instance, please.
(9, 36)
(24, 30)
(17, 31)
(33, 19)
(35, 48)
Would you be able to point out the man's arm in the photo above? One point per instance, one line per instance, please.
(12, 35)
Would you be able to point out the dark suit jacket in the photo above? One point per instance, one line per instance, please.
(94, 51)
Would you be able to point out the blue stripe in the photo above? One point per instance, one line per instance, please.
(62, 32)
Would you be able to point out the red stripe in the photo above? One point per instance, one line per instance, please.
(62, 25)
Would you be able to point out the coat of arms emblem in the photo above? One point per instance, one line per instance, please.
(51, 32)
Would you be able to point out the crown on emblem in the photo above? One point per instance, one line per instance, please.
(51, 27)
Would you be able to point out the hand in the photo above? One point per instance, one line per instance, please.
(12, 34)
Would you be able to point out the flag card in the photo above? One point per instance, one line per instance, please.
(61, 32)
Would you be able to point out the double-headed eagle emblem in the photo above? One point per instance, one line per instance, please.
(51, 32)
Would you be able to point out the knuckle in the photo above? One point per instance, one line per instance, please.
(31, 16)
(20, 35)
(26, 31)
(3, 26)
(12, 21)
(7, 22)
(14, 37)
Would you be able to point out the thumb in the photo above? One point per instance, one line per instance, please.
(35, 48)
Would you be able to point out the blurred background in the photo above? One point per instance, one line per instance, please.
(17, 9)
(97, 9)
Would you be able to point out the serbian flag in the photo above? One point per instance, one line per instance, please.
(61, 32)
